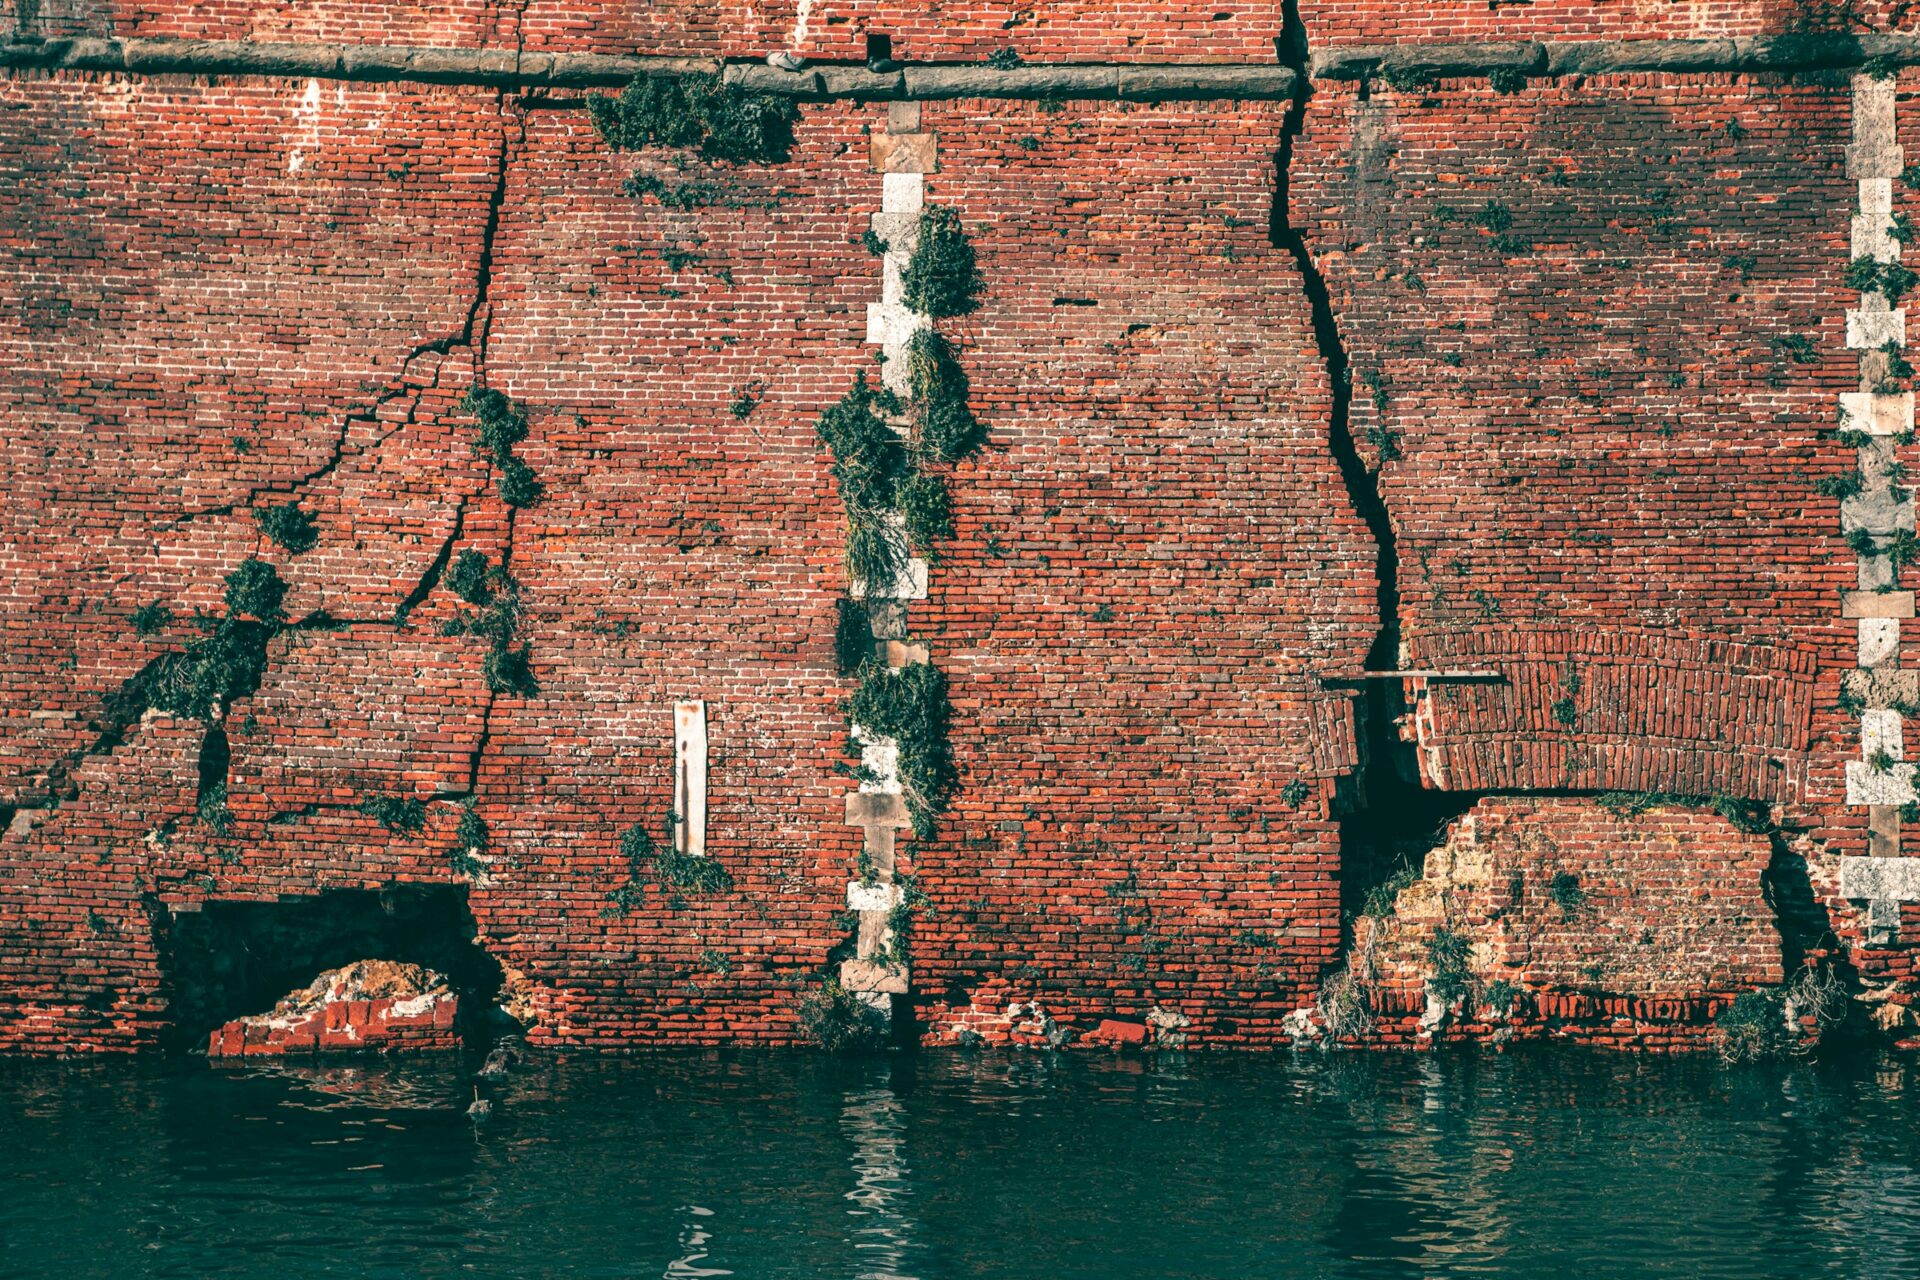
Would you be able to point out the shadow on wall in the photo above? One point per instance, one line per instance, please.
(234, 959)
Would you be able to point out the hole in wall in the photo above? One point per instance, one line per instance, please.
(879, 49)
(236, 959)
(216, 754)
(1075, 302)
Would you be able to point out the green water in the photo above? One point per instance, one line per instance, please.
(718, 1164)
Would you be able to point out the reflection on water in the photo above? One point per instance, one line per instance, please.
(693, 1238)
(882, 1234)
(702, 1164)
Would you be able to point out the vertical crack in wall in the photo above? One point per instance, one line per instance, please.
(1387, 819)
(480, 318)
(1362, 485)
(1385, 803)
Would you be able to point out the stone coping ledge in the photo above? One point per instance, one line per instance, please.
(503, 68)
(1136, 82)
(1784, 53)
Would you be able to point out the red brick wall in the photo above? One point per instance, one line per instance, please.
(1606, 442)
(961, 30)
(923, 31)
(223, 295)
(1154, 557)
(1335, 22)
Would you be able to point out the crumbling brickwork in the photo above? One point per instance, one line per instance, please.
(1612, 927)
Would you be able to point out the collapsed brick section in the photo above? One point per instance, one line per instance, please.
(1625, 929)
(420, 1025)
(368, 1006)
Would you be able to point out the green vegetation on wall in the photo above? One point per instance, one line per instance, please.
(910, 706)
(697, 112)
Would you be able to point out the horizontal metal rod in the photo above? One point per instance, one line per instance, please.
(1444, 677)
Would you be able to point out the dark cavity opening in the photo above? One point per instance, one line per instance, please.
(879, 49)
(216, 754)
(236, 959)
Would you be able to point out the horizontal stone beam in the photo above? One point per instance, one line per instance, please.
(1596, 57)
(506, 69)
(1133, 82)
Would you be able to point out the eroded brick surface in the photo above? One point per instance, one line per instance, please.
(1619, 928)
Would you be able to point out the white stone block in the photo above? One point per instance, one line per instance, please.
(893, 280)
(1867, 785)
(1880, 879)
(880, 757)
(902, 230)
(1875, 152)
(1879, 415)
(1870, 330)
(893, 374)
(911, 585)
(891, 324)
(1879, 641)
(1876, 197)
(902, 192)
(872, 897)
(1880, 731)
(690, 778)
(1873, 238)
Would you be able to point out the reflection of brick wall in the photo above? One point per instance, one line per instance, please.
(344, 1026)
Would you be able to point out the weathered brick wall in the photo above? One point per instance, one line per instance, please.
(1594, 331)
(1629, 929)
(1154, 559)
(959, 30)
(1336, 22)
(921, 30)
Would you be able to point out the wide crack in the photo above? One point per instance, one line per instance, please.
(1384, 812)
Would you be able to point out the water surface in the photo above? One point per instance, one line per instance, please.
(776, 1165)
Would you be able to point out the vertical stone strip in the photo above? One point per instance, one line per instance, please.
(690, 778)
(903, 155)
(1877, 512)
